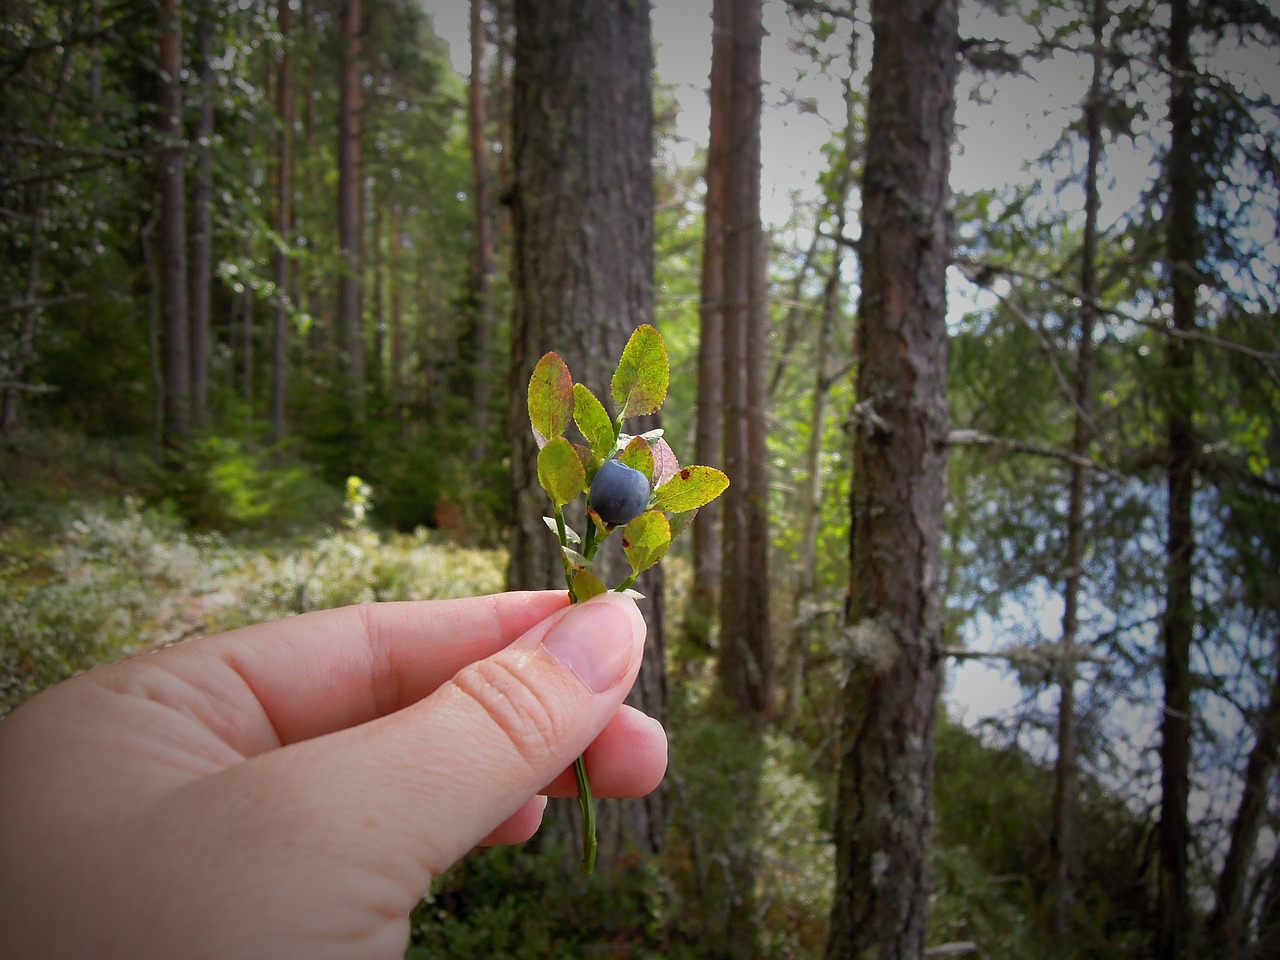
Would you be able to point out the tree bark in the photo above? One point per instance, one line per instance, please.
(582, 207)
(202, 218)
(746, 655)
(283, 223)
(709, 423)
(884, 808)
(1182, 262)
(171, 160)
(1061, 831)
(482, 264)
(1228, 928)
(351, 214)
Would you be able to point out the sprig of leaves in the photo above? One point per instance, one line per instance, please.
(566, 468)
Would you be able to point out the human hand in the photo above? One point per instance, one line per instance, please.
(290, 789)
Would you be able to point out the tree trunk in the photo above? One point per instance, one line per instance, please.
(202, 218)
(1182, 253)
(884, 808)
(709, 423)
(1061, 831)
(1228, 928)
(482, 265)
(746, 656)
(170, 161)
(36, 195)
(396, 282)
(582, 204)
(351, 214)
(283, 221)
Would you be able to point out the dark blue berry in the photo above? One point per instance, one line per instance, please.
(618, 493)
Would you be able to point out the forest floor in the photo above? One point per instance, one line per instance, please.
(91, 570)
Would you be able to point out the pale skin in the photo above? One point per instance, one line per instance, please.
(290, 789)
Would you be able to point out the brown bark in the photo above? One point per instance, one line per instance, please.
(1173, 893)
(482, 265)
(1062, 826)
(283, 222)
(1228, 929)
(709, 425)
(36, 197)
(746, 656)
(582, 206)
(171, 160)
(396, 282)
(884, 809)
(202, 218)
(351, 213)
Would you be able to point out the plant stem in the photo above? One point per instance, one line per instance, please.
(586, 804)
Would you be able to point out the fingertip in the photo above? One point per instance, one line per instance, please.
(520, 826)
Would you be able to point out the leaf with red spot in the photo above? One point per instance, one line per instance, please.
(691, 488)
(645, 540)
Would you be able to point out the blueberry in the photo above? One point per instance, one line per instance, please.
(619, 493)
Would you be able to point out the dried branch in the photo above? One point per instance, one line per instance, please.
(976, 438)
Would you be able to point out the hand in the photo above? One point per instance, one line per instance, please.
(289, 790)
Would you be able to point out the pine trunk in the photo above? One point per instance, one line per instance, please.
(582, 206)
(1061, 830)
(482, 265)
(202, 218)
(746, 656)
(351, 214)
(1173, 940)
(283, 221)
(709, 425)
(884, 805)
(171, 160)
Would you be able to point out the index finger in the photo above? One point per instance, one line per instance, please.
(320, 672)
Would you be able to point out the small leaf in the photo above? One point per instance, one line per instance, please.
(574, 557)
(560, 471)
(586, 584)
(570, 534)
(590, 463)
(639, 384)
(665, 464)
(691, 488)
(593, 420)
(550, 397)
(645, 540)
(680, 522)
(638, 456)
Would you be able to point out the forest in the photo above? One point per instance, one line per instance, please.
(977, 654)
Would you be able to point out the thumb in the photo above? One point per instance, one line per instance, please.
(441, 775)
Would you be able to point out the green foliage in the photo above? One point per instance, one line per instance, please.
(740, 795)
(225, 484)
(523, 905)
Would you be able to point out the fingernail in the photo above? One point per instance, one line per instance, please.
(595, 639)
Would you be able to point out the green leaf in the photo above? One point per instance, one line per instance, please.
(645, 540)
(691, 488)
(586, 584)
(560, 471)
(593, 420)
(640, 383)
(680, 522)
(638, 455)
(550, 397)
